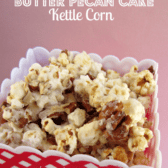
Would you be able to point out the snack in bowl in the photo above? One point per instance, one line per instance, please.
(75, 106)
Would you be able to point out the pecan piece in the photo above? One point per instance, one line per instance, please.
(72, 106)
(51, 139)
(142, 82)
(151, 70)
(5, 104)
(127, 120)
(103, 69)
(8, 142)
(66, 147)
(116, 119)
(87, 106)
(140, 158)
(2, 121)
(110, 108)
(69, 90)
(120, 133)
(115, 124)
(38, 122)
(22, 122)
(60, 118)
(130, 156)
(34, 88)
(91, 77)
(147, 124)
(72, 79)
(55, 115)
(117, 136)
(65, 51)
(91, 115)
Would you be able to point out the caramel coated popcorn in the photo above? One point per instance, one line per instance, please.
(75, 106)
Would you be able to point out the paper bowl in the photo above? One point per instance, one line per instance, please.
(29, 157)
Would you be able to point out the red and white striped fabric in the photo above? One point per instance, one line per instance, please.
(9, 159)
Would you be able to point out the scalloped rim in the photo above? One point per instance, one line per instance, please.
(39, 53)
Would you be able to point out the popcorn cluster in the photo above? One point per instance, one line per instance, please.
(75, 106)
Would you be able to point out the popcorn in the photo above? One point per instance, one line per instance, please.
(106, 154)
(133, 95)
(7, 113)
(140, 131)
(137, 131)
(95, 69)
(97, 91)
(9, 137)
(18, 90)
(63, 59)
(119, 92)
(113, 82)
(139, 138)
(41, 100)
(56, 111)
(66, 139)
(84, 63)
(33, 136)
(82, 85)
(112, 74)
(33, 111)
(75, 106)
(145, 100)
(148, 134)
(32, 77)
(53, 60)
(134, 109)
(89, 134)
(19, 117)
(16, 104)
(120, 154)
(142, 83)
(77, 117)
(137, 143)
(101, 78)
(117, 153)
(19, 95)
(73, 69)
(49, 125)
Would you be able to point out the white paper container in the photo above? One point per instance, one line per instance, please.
(41, 55)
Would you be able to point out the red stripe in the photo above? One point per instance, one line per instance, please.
(14, 161)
